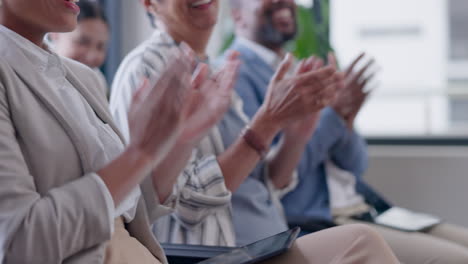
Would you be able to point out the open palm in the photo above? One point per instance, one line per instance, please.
(209, 99)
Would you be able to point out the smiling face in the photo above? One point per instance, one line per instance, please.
(186, 16)
(39, 16)
(270, 22)
(86, 44)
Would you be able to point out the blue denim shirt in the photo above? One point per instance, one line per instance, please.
(331, 141)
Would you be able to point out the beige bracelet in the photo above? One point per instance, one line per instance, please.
(254, 141)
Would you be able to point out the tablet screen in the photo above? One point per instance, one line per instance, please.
(257, 251)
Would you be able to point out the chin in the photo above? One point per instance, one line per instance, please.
(288, 33)
(64, 25)
(65, 28)
(206, 24)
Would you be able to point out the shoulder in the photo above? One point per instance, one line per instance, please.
(8, 77)
(79, 69)
(151, 54)
(146, 61)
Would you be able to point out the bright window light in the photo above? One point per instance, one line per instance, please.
(305, 3)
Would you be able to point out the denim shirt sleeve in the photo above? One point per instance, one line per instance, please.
(330, 130)
(332, 140)
(247, 91)
(350, 151)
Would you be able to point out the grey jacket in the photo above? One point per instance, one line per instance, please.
(51, 211)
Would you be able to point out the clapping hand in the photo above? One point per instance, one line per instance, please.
(210, 97)
(156, 114)
(304, 127)
(351, 99)
(167, 116)
(293, 98)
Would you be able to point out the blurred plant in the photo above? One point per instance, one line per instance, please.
(313, 31)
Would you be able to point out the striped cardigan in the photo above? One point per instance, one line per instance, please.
(200, 200)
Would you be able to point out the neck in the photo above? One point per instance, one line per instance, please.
(27, 31)
(197, 40)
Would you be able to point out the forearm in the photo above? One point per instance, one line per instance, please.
(170, 168)
(290, 151)
(285, 160)
(238, 161)
(330, 130)
(123, 174)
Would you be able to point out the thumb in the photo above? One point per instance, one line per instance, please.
(284, 68)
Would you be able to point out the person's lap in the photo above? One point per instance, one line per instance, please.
(345, 245)
(443, 244)
(454, 233)
(125, 249)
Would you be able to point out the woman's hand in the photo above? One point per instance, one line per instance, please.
(156, 119)
(157, 111)
(293, 98)
(311, 88)
(302, 130)
(210, 97)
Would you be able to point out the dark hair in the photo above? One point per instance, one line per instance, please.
(91, 10)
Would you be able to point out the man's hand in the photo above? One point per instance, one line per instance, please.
(351, 99)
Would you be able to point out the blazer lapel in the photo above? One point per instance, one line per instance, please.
(98, 107)
(41, 89)
(33, 79)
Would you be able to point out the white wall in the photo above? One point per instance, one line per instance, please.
(409, 40)
(427, 179)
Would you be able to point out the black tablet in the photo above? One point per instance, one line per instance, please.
(258, 251)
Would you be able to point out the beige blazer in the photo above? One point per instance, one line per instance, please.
(51, 211)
